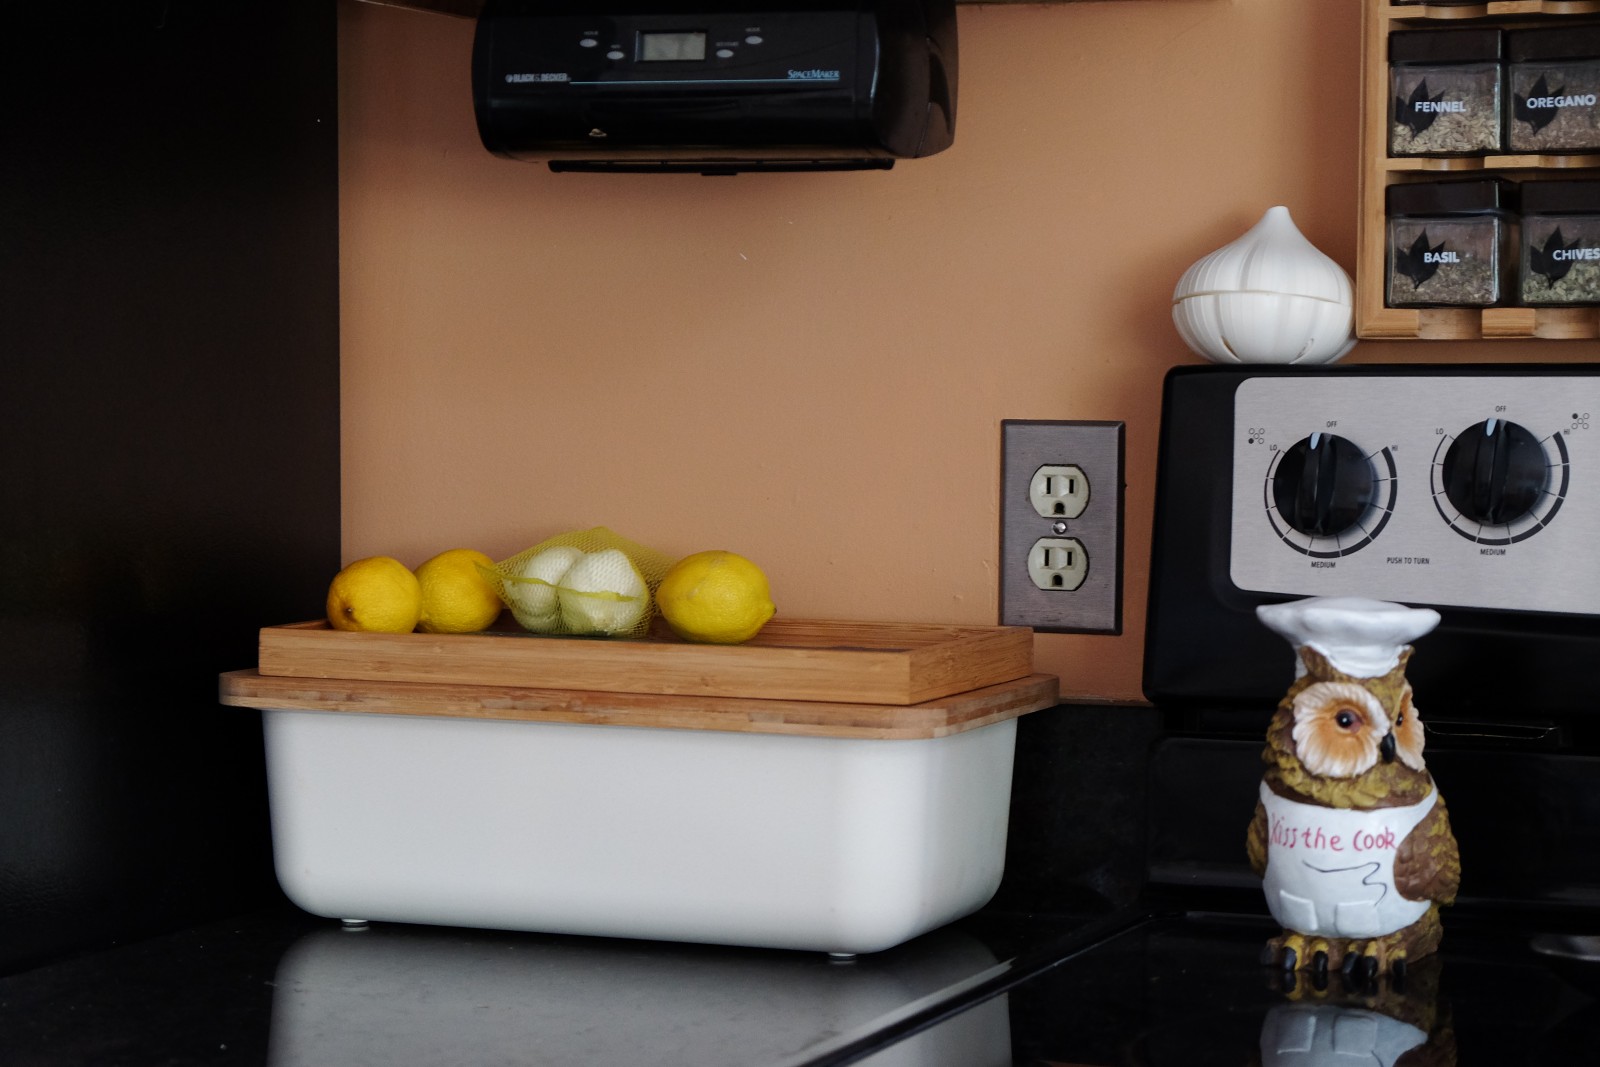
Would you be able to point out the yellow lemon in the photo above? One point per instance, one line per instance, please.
(456, 597)
(715, 597)
(377, 594)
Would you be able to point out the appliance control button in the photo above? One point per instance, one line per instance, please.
(754, 38)
(588, 42)
(724, 53)
(1495, 472)
(1323, 485)
(615, 53)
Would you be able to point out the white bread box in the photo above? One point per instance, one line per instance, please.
(670, 807)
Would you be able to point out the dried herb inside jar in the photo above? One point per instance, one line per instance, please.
(1447, 243)
(1444, 92)
(1554, 90)
(1560, 244)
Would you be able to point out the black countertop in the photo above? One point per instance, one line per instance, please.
(284, 988)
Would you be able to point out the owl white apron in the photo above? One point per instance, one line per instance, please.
(1323, 1035)
(1330, 871)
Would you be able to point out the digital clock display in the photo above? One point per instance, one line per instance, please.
(654, 47)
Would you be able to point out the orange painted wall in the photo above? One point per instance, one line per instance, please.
(811, 370)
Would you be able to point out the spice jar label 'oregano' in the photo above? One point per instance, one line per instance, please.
(1555, 108)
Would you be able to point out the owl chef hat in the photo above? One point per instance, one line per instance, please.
(1363, 638)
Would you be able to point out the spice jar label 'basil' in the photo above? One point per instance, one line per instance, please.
(1448, 243)
(1421, 261)
(1444, 262)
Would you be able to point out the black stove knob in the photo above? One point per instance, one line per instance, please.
(1323, 485)
(1495, 472)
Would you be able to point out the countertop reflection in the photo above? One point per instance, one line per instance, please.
(286, 989)
(1190, 991)
(398, 995)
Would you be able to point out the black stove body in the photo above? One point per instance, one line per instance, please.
(1474, 490)
(1470, 489)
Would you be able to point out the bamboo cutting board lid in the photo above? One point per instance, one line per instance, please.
(791, 659)
(939, 717)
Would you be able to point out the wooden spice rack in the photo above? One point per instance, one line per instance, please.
(1374, 321)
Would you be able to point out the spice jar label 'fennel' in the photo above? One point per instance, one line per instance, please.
(1444, 89)
(1446, 112)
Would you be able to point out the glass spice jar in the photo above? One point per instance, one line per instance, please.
(1554, 89)
(1559, 263)
(1450, 243)
(1444, 92)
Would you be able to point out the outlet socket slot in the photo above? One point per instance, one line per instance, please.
(1058, 563)
(1059, 492)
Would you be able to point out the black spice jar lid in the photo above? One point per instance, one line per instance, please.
(1569, 42)
(1561, 198)
(1445, 46)
(1480, 196)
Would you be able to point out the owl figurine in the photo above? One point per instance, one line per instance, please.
(1350, 835)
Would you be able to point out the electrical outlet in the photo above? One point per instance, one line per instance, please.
(1061, 525)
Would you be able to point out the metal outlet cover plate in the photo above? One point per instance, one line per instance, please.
(1097, 449)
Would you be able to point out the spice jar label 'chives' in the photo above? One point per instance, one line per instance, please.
(1559, 269)
(1560, 243)
(1555, 258)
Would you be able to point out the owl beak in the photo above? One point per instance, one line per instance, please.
(1386, 748)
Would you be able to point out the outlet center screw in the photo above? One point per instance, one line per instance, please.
(1058, 526)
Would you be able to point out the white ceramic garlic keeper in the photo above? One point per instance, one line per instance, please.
(837, 844)
(1269, 297)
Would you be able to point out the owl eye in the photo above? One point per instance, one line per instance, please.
(1338, 727)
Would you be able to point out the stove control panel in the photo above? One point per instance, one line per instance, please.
(1472, 491)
